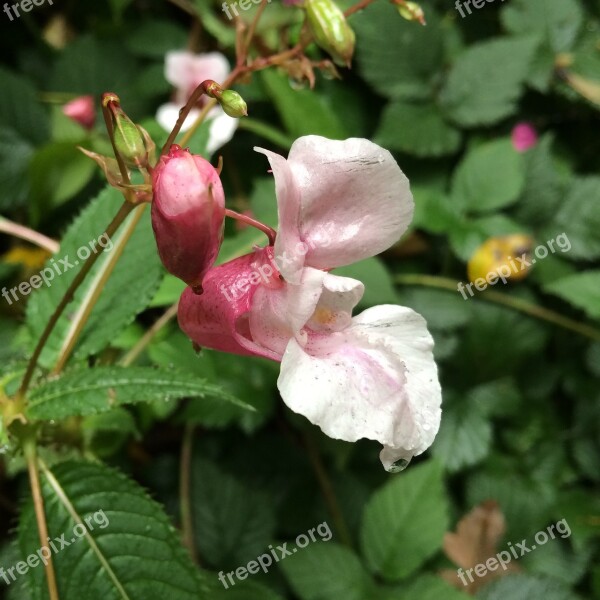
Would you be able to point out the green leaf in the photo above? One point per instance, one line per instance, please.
(558, 21)
(92, 391)
(15, 155)
(464, 438)
(404, 522)
(426, 587)
(491, 176)
(417, 129)
(326, 571)
(581, 290)
(442, 309)
(244, 590)
(303, 112)
(525, 587)
(58, 172)
(123, 546)
(579, 217)
(154, 38)
(127, 291)
(20, 109)
(407, 67)
(232, 523)
(486, 81)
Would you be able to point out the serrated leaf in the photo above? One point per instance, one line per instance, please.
(427, 587)
(464, 437)
(92, 391)
(232, 523)
(127, 291)
(581, 290)
(327, 571)
(405, 68)
(491, 176)
(417, 129)
(558, 21)
(486, 81)
(404, 522)
(525, 587)
(130, 549)
(579, 217)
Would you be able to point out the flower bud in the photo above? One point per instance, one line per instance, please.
(330, 29)
(231, 102)
(129, 140)
(81, 110)
(188, 211)
(411, 11)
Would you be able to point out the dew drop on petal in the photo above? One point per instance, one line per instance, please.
(398, 466)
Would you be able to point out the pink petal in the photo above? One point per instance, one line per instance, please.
(376, 379)
(218, 318)
(524, 136)
(345, 200)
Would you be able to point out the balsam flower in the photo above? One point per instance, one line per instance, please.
(188, 210)
(370, 376)
(524, 136)
(185, 71)
(81, 110)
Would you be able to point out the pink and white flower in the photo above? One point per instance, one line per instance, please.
(185, 71)
(368, 376)
(524, 136)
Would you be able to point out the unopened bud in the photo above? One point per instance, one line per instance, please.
(128, 138)
(188, 211)
(330, 29)
(411, 11)
(231, 102)
(81, 110)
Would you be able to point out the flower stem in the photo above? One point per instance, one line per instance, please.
(141, 344)
(124, 211)
(30, 451)
(518, 304)
(185, 497)
(25, 233)
(268, 231)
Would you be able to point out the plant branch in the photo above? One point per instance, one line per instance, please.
(268, 231)
(96, 287)
(327, 490)
(518, 304)
(125, 209)
(40, 515)
(25, 233)
(185, 496)
(141, 344)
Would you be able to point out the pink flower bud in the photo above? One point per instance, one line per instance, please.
(524, 136)
(188, 211)
(81, 110)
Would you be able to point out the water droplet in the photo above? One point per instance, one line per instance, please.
(296, 84)
(398, 466)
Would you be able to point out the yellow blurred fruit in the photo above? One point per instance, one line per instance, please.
(505, 256)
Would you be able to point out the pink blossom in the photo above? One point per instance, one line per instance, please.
(524, 136)
(81, 110)
(188, 210)
(369, 376)
(185, 71)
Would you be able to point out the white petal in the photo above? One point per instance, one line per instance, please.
(222, 128)
(167, 116)
(376, 379)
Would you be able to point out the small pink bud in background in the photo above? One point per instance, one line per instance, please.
(524, 136)
(188, 211)
(81, 110)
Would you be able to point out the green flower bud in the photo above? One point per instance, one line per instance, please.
(233, 104)
(411, 11)
(330, 29)
(128, 138)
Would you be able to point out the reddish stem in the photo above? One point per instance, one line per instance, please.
(268, 231)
